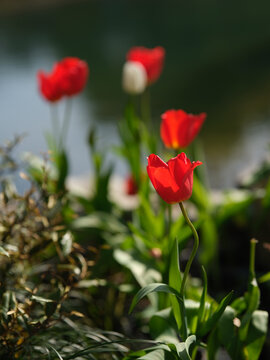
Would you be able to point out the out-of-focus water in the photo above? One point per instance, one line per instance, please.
(218, 61)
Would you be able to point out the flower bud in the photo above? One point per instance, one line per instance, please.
(134, 78)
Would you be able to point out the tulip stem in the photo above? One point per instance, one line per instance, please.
(145, 107)
(169, 220)
(65, 125)
(253, 243)
(55, 125)
(194, 250)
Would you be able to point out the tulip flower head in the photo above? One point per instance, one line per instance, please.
(73, 74)
(151, 59)
(68, 77)
(178, 129)
(131, 186)
(49, 86)
(173, 181)
(134, 77)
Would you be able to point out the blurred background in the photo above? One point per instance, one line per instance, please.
(217, 61)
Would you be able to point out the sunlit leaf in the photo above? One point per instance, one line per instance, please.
(3, 252)
(256, 334)
(41, 299)
(159, 287)
(184, 349)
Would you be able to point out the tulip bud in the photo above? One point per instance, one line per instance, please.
(134, 78)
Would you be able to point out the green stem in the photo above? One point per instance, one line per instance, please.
(194, 250)
(169, 220)
(65, 126)
(145, 106)
(253, 243)
(55, 125)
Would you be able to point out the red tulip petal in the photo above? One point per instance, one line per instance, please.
(161, 178)
(195, 124)
(178, 129)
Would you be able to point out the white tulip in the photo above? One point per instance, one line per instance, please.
(134, 79)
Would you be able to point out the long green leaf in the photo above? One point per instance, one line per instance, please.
(201, 312)
(213, 319)
(57, 353)
(175, 282)
(253, 303)
(264, 278)
(159, 287)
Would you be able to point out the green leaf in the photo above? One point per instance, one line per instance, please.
(61, 162)
(191, 312)
(227, 332)
(143, 273)
(163, 327)
(57, 353)
(140, 353)
(264, 278)
(184, 349)
(159, 287)
(253, 300)
(239, 305)
(201, 312)
(5, 305)
(213, 319)
(212, 345)
(153, 355)
(41, 299)
(256, 334)
(175, 282)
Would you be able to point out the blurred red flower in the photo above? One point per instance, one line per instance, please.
(151, 59)
(131, 186)
(49, 86)
(72, 73)
(173, 181)
(68, 77)
(178, 129)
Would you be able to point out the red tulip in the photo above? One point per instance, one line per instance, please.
(73, 74)
(49, 86)
(178, 128)
(151, 59)
(67, 78)
(173, 181)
